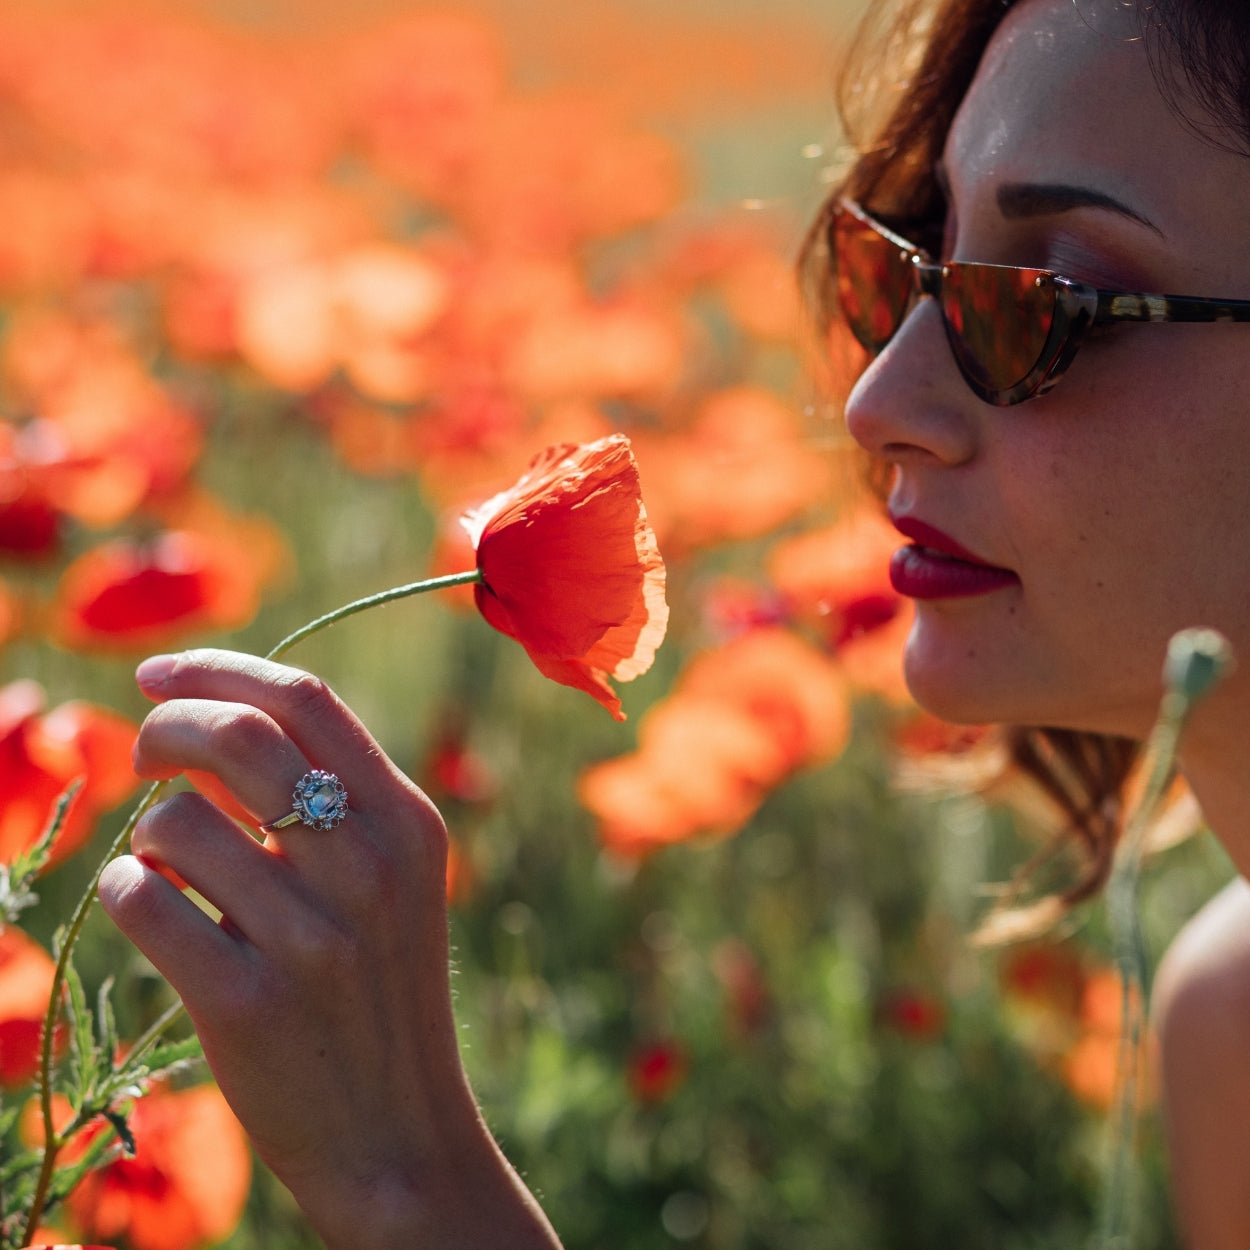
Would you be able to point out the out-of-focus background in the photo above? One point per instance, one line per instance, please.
(284, 287)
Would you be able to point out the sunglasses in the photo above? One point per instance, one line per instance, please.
(1013, 332)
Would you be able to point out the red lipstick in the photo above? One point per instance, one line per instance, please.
(934, 566)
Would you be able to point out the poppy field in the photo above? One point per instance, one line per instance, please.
(281, 301)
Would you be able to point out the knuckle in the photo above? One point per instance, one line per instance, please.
(243, 735)
(165, 823)
(305, 693)
(129, 897)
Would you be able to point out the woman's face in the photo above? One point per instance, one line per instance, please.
(1120, 500)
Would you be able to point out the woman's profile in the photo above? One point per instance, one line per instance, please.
(1042, 253)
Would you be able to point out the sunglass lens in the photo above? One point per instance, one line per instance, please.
(874, 281)
(998, 320)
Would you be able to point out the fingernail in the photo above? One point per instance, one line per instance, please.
(155, 671)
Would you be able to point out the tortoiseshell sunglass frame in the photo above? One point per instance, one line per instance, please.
(998, 370)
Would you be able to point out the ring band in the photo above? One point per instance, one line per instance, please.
(318, 801)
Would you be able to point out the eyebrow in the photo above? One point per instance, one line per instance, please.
(1036, 199)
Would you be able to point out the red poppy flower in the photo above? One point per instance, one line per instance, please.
(1048, 976)
(741, 719)
(186, 1186)
(26, 971)
(40, 754)
(914, 1014)
(657, 1071)
(748, 1002)
(124, 596)
(570, 567)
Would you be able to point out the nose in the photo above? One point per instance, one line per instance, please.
(911, 405)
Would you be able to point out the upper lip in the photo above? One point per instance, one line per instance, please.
(930, 536)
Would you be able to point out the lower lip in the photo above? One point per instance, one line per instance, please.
(921, 573)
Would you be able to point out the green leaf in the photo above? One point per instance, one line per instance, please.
(106, 1028)
(164, 1059)
(82, 1038)
(16, 878)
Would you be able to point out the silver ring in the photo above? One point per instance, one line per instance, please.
(318, 801)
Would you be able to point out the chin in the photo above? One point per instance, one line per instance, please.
(966, 689)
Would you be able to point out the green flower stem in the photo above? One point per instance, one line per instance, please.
(1129, 954)
(372, 601)
(53, 1142)
(1197, 661)
(154, 1032)
(69, 938)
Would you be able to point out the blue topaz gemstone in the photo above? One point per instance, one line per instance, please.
(320, 799)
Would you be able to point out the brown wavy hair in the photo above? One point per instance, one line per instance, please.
(909, 69)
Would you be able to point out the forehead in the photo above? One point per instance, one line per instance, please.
(1056, 100)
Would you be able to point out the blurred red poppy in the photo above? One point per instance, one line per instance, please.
(1050, 976)
(656, 1071)
(187, 1184)
(748, 1002)
(702, 767)
(746, 435)
(741, 719)
(788, 686)
(570, 567)
(40, 754)
(130, 597)
(26, 971)
(915, 1014)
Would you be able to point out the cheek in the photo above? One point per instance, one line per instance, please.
(1131, 487)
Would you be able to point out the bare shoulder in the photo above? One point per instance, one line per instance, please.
(1201, 1011)
(1203, 980)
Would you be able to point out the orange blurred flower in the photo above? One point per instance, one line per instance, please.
(837, 578)
(745, 435)
(784, 684)
(702, 767)
(1091, 1067)
(187, 1183)
(839, 575)
(1050, 976)
(627, 348)
(423, 90)
(26, 971)
(740, 720)
(40, 754)
(925, 734)
(127, 596)
(569, 170)
(570, 567)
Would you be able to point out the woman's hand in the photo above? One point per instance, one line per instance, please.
(322, 996)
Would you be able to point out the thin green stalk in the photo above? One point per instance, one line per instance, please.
(153, 1033)
(1129, 954)
(372, 601)
(52, 1141)
(1198, 659)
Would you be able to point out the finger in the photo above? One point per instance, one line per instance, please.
(324, 729)
(193, 953)
(253, 889)
(240, 745)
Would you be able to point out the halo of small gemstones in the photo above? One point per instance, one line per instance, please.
(320, 799)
